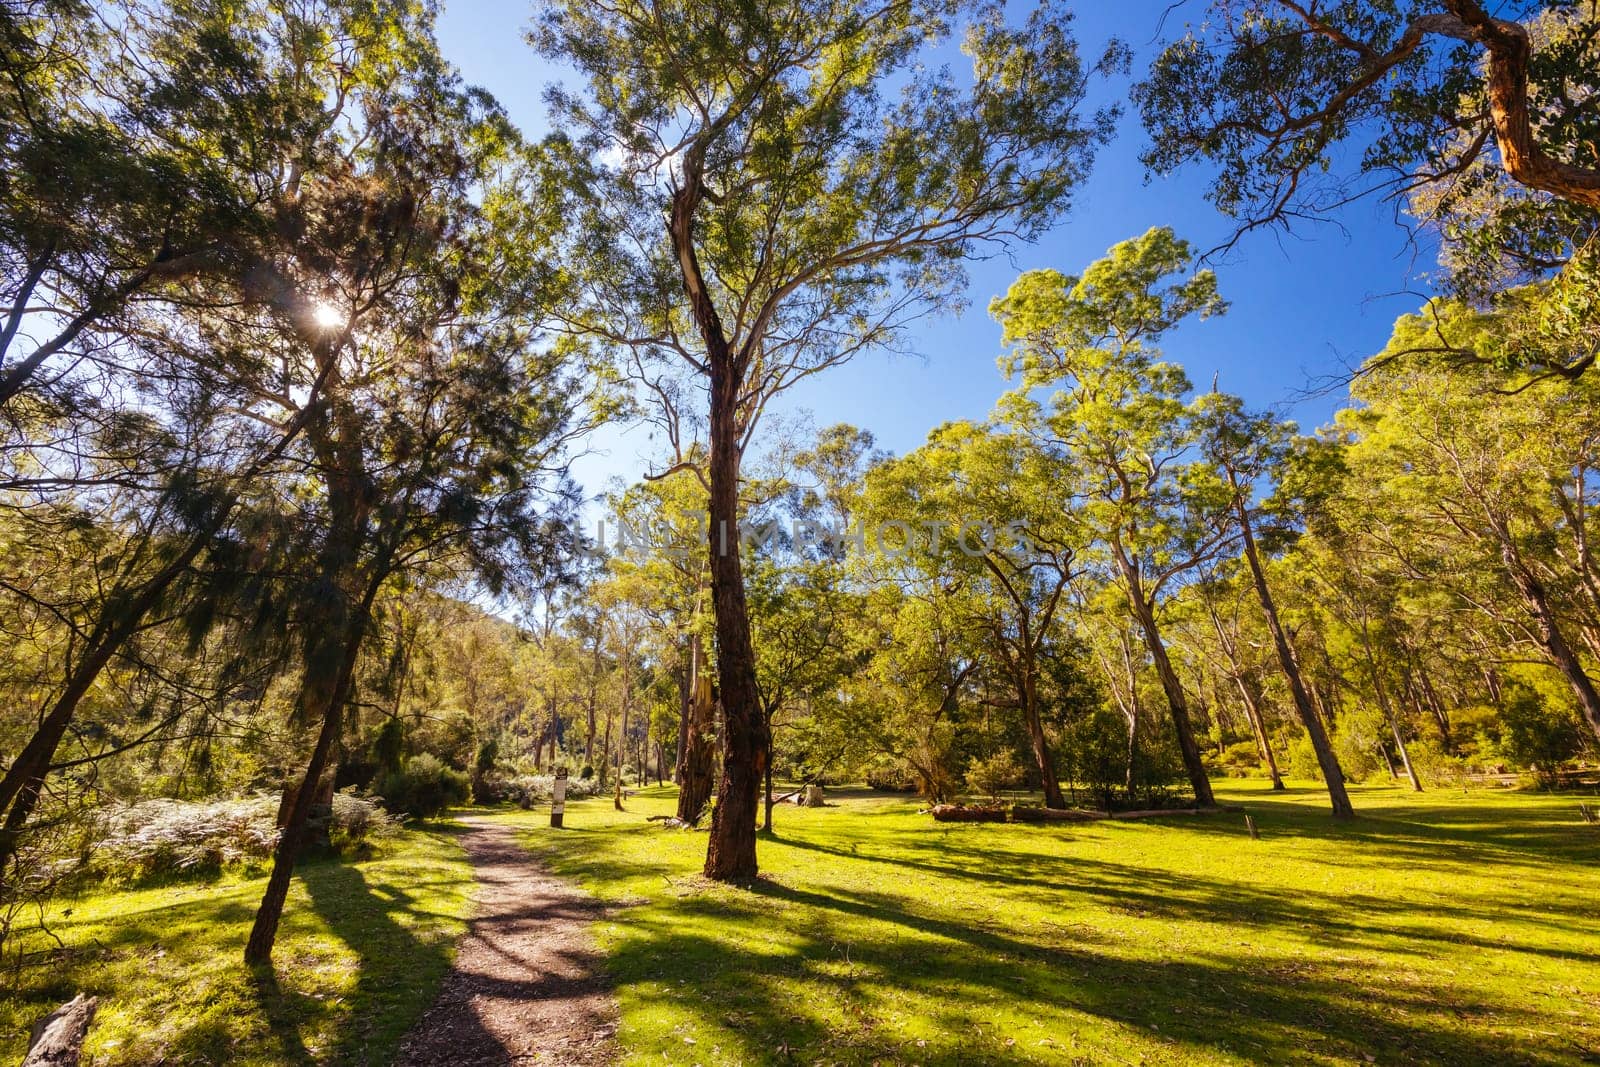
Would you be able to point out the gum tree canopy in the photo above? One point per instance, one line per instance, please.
(1481, 115)
(758, 191)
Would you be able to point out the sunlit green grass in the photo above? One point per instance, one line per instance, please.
(359, 957)
(1449, 927)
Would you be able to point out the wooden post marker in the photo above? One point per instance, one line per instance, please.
(558, 798)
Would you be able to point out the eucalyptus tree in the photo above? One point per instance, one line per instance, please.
(1483, 494)
(820, 186)
(1118, 417)
(1479, 115)
(982, 510)
(1217, 630)
(1246, 451)
(661, 522)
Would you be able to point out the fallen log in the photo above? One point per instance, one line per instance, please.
(1032, 813)
(1154, 813)
(962, 813)
(57, 1039)
(671, 820)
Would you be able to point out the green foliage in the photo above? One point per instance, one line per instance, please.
(1302, 760)
(1242, 759)
(1094, 754)
(1359, 741)
(423, 787)
(1537, 734)
(988, 775)
(1291, 106)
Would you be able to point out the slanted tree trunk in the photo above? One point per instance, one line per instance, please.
(1171, 685)
(1252, 711)
(1332, 773)
(1384, 703)
(1547, 630)
(1247, 694)
(324, 689)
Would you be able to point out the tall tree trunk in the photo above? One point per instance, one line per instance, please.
(1332, 773)
(622, 732)
(1247, 694)
(1037, 738)
(731, 851)
(766, 779)
(1387, 706)
(1172, 686)
(1388, 761)
(1252, 711)
(588, 738)
(685, 702)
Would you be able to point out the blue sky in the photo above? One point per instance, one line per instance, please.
(1304, 306)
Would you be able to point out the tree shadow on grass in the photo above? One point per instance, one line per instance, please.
(1343, 919)
(817, 970)
(398, 972)
(834, 986)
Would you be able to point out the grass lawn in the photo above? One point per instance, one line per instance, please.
(359, 957)
(1446, 927)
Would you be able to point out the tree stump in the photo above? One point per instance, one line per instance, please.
(57, 1039)
(813, 796)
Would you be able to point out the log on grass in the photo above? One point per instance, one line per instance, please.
(57, 1039)
(1032, 813)
(962, 813)
(1155, 813)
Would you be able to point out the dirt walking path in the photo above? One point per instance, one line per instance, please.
(524, 988)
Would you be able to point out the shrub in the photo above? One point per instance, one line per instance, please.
(993, 773)
(164, 838)
(1302, 761)
(892, 777)
(1095, 751)
(483, 764)
(1362, 734)
(1435, 766)
(1241, 760)
(358, 821)
(1537, 735)
(423, 787)
(527, 790)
